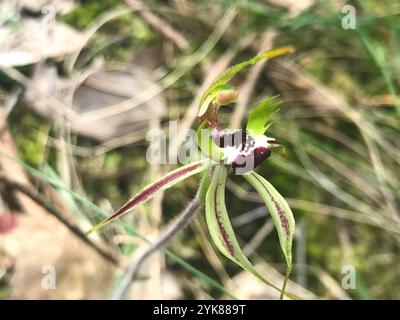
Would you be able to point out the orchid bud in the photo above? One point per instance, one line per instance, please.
(226, 96)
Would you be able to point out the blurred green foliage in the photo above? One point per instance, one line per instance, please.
(356, 64)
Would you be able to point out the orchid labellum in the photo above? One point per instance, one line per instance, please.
(238, 152)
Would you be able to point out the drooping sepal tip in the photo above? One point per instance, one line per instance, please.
(226, 76)
(152, 189)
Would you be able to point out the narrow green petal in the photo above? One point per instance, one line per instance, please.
(220, 227)
(225, 77)
(152, 189)
(280, 213)
(261, 115)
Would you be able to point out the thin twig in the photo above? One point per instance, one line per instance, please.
(60, 217)
(157, 23)
(134, 266)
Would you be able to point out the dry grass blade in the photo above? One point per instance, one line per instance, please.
(157, 23)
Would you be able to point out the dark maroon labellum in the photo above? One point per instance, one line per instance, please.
(243, 164)
(249, 154)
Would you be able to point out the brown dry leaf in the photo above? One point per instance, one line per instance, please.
(39, 242)
(97, 100)
(98, 90)
(33, 40)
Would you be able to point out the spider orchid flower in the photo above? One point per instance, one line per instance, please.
(238, 152)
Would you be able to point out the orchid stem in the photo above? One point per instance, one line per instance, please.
(288, 271)
(181, 222)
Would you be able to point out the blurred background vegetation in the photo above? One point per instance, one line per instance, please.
(82, 82)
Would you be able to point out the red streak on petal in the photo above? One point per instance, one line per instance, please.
(281, 211)
(146, 193)
(225, 237)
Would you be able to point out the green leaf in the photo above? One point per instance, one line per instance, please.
(280, 213)
(204, 105)
(152, 189)
(260, 117)
(220, 227)
(225, 77)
